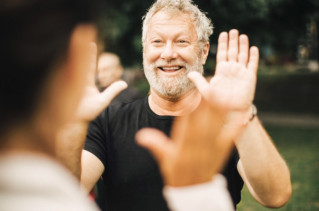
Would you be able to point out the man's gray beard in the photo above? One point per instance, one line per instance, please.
(172, 87)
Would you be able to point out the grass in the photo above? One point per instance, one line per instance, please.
(300, 149)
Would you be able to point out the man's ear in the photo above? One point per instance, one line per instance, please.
(205, 52)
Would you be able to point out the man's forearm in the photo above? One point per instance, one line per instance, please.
(261, 166)
(69, 146)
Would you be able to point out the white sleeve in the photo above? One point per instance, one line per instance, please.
(211, 195)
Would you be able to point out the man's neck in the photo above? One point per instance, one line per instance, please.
(180, 106)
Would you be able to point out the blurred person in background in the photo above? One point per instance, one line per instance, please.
(110, 69)
(175, 46)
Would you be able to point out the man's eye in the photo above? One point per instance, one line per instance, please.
(183, 41)
(157, 41)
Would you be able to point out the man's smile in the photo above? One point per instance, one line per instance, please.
(170, 68)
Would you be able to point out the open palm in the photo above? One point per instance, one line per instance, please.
(233, 86)
(93, 102)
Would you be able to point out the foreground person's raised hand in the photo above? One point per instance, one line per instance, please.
(70, 139)
(195, 153)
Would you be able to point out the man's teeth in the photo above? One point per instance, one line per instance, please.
(171, 68)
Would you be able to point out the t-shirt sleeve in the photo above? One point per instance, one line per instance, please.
(96, 138)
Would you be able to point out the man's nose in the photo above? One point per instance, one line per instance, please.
(169, 52)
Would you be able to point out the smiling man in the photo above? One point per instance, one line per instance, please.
(175, 48)
(171, 51)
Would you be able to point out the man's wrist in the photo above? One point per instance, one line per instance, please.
(239, 119)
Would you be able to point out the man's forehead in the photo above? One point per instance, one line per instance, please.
(108, 61)
(168, 15)
(179, 21)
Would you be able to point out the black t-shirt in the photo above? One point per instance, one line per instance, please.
(131, 175)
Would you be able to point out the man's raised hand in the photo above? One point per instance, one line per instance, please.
(234, 82)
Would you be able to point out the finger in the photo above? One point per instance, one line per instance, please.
(233, 45)
(200, 82)
(222, 47)
(155, 141)
(253, 59)
(92, 67)
(112, 91)
(243, 49)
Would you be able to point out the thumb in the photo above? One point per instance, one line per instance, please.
(112, 91)
(155, 141)
(200, 82)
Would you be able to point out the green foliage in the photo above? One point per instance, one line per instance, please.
(278, 26)
(122, 27)
(299, 147)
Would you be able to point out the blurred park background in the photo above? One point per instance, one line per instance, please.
(287, 94)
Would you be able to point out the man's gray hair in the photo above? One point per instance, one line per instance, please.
(203, 25)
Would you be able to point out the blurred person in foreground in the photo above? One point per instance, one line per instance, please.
(46, 53)
(175, 47)
(48, 45)
(110, 69)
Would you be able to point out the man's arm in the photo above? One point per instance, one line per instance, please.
(92, 169)
(83, 164)
(263, 170)
(233, 88)
(70, 139)
(69, 146)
